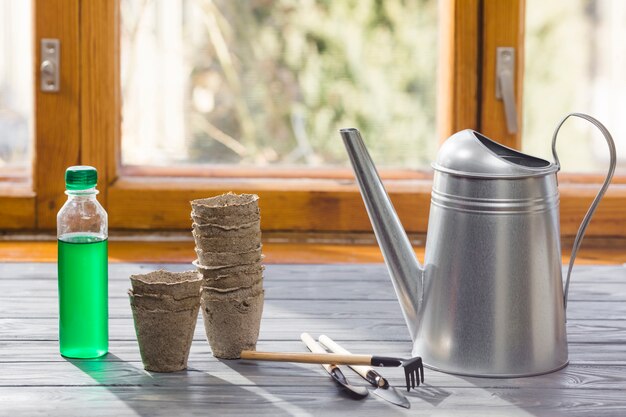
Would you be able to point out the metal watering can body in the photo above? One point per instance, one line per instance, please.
(489, 300)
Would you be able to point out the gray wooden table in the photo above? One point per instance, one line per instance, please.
(353, 304)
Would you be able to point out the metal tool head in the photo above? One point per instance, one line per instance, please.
(413, 368)
(413, 372)
(393, 396)
(354, 392)
(384, 390)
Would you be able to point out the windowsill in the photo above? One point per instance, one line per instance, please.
(276, 253)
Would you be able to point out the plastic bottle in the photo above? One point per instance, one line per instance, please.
(82, 232)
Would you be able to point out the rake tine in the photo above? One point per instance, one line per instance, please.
(408, 382)
(414, 372)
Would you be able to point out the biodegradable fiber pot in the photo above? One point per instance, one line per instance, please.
(164, 337)
(216, 230)
(164, 301)
(211, 273)
(232, 325)
(177, 284)
(243, 243)
(226, 221)
(228, 259)
(229, 204)
(236, 293)
(233, 282)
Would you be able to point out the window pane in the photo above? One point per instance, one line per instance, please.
(575, 62)
(16, 85)
(260, 83)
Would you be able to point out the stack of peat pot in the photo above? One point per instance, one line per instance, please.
(227, 232)
(165, 310)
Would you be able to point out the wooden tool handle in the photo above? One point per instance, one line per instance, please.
(312, 344)
(335, 348)
(319, 358)
(316, 348)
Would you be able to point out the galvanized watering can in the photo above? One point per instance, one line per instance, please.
(489, 300)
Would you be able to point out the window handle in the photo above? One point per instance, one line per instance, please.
(505, 70)
(49, 70)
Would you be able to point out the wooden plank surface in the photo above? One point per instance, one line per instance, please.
(352, 303)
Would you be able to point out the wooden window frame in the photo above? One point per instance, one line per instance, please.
(85, 129)
(302, 200)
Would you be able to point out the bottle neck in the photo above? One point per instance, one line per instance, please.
(87, 194)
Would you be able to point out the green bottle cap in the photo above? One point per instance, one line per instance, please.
(80, 177)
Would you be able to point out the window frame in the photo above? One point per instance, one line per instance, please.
(81, 124)
(302, 200)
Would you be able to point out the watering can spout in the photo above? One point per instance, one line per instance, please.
(405, 270)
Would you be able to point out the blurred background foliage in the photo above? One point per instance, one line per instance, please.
(294, 72)
(575, 61)
(271, 82)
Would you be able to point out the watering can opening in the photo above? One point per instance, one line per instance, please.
(470, 154)
(511, 155)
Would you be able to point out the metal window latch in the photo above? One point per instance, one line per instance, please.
(505, 71)
(50, 65)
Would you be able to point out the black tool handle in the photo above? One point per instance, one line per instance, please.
(385, 361)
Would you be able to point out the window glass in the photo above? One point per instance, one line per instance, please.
(269, 83)
(575, 62)
(16, 85)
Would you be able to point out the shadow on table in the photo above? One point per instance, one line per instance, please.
(428, 393)
(522, 397)
(150, 393)
(306, 391)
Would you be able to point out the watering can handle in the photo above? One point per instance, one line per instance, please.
(583, 225)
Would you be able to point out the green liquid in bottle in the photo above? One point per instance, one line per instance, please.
(83, 296)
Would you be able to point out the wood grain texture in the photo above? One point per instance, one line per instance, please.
(283, 327)
(296, 205)
(100, 89)
(57, 115)
(334, 273)
(459, 67)
(609, 218)
(503, 25)
(233, 398)
(126, 351)
(36, 380)
(202, 371)
(17, 211)
(331, 206)
(589, 284)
